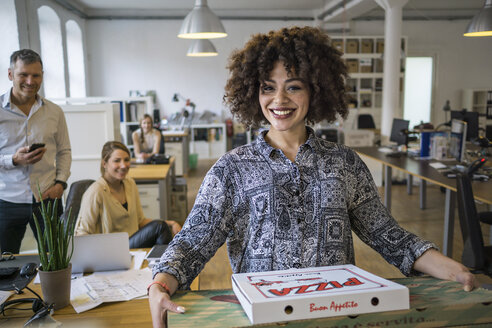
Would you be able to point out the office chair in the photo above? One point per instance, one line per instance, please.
(74, 198)
(475, 254)
(365, 121)
(162, 146)
(328, 134)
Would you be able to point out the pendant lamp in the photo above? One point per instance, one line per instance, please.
(481, 24)
(201, 23)
(201, 48)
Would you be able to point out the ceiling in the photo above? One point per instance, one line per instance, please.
(329, 11)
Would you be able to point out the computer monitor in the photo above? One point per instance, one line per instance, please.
(399, 131)
(457, 141)
(471, 118)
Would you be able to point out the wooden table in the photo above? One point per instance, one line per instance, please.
(164, 175)
(421, 169)
(134, 313)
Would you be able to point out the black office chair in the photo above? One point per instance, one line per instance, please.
(162, 146)
(475, 254)
(74, 198)
(365, 121)
(328, 134)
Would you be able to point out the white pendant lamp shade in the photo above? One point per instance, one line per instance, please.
(201, 23)
(201, 48)
(481, 24)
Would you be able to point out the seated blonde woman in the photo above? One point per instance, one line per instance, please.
(146, 140)
(112, 204)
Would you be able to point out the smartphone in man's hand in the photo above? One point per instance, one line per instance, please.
(35, 146)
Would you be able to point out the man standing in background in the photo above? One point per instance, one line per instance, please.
(27, 121)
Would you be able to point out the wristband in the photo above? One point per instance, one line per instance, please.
(163, 285)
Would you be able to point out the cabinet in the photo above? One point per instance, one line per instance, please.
(131, 111)
(363, 56)
(480, 101)
(177, 145)
(209, 141)
(149, 199)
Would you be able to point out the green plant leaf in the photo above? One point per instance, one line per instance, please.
(55, 241)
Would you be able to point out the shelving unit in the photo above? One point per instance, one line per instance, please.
(364, 58)
(131, 110)
(480, 101)
(209, 141)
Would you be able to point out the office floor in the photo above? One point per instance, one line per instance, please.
(427, 223)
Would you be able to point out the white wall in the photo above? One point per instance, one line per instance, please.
(147, 55)
(460, 62)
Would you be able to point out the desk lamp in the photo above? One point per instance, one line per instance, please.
(177, 97)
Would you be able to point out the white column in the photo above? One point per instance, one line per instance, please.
(392, 52)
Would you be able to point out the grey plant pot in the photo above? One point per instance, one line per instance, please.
(55, 286)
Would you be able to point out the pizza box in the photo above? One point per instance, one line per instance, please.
(328, 291)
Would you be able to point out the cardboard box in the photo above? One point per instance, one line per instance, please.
(367, 46)
(328, 291)
(352, 46)
(433, 303)
(352, 66)
(338, 44)
(365, 65)
(380, 46)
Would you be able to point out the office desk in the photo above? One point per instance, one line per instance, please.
(433, 303)
(134, 313)
(164, 175)
(482, 191)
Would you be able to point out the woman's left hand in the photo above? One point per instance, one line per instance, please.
(174, 226)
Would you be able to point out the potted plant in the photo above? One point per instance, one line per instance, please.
(55, 249)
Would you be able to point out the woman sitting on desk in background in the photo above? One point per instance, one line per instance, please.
(112, 204)
(146, 140)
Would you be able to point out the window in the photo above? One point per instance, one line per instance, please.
(418, 90)
(51, 53)
(9, 35)
(75, 56)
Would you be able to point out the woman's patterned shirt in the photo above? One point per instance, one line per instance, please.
(276, 215)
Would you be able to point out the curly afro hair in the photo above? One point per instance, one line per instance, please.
(306, 53)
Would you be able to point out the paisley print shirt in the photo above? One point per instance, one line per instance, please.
(275, 214)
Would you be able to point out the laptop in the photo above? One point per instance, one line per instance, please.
(101, 252)
(155, 254)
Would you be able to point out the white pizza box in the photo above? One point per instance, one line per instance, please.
(328, 291)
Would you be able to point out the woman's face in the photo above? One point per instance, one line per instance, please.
(284, 100)
(117, 166)
(146, 125)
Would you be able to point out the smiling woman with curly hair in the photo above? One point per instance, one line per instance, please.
(305, 52)
(288, 199)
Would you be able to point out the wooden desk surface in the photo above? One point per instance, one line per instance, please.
(134, 313)
(150, 171)
(177, 133)
(421, 169)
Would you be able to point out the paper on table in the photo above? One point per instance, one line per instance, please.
(90, 291)
(437, 165)
(4, 295)
(137, 259)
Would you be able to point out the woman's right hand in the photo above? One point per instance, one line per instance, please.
(160, 302)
